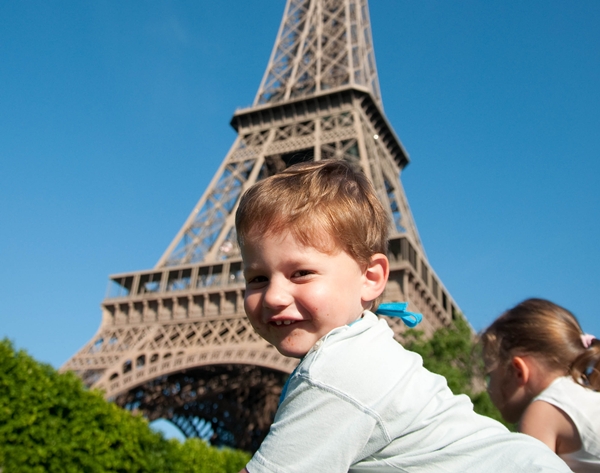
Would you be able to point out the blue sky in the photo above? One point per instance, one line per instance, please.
(114, 116)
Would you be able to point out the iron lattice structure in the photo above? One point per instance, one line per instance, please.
(174, 341)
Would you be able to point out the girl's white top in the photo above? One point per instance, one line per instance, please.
(582, 405)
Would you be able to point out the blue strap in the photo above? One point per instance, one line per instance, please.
(398, 309)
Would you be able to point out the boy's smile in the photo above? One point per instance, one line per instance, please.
(297, 294)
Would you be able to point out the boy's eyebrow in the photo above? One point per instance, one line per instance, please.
(249, 267)
(246, 268)
(298, 261)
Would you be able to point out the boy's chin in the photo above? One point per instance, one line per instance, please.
(291, 353)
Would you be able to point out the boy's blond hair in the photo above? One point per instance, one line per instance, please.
(314, 201)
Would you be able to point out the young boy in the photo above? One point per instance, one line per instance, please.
(314, 243)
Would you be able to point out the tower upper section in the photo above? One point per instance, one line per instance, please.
(322, 45)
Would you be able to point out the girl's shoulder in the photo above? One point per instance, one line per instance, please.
(551, 425)
(580, 404)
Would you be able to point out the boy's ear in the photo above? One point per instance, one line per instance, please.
(376, 276)
(520, 369)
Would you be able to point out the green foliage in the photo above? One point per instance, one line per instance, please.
(196, 456)
(49, 422)
(453, 353)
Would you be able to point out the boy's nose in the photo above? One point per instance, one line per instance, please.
(276, 296)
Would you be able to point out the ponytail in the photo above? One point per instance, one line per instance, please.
(585, 370)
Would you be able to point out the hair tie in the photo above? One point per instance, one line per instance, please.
(587, 339)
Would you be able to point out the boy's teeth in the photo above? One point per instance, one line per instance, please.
(284, 322)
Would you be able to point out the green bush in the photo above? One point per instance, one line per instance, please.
(49, 422)
(196, 456)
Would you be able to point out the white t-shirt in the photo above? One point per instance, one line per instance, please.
(360, 402)
(582, 405)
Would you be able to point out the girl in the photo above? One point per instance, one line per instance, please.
(544, 372)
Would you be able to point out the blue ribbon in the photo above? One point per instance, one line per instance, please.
(398, 309)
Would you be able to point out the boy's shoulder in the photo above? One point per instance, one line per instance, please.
(368, 340)
(365, 360)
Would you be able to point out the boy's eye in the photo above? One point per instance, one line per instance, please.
(256, 280)
(301, 273)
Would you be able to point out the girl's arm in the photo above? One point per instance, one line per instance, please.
(552, 426)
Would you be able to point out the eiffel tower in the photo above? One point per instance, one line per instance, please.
(174, 342)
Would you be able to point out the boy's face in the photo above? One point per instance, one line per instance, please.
(296, 294)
